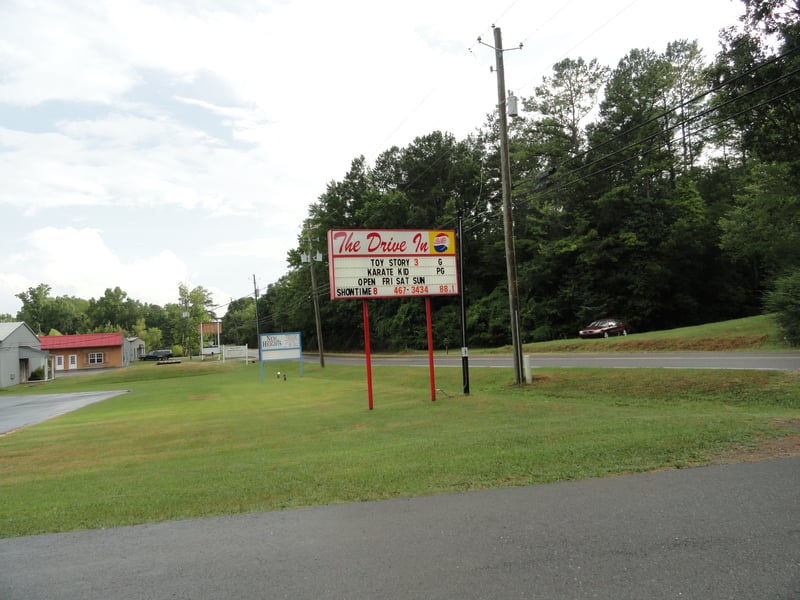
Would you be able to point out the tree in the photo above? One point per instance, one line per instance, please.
(193, 308)
(649, 205)
(420, 186)
(69, 314)
(626, 214)
(683, 102)
(757, 86)
(546, 149)
(637, 232)
(757, 101)
(239, 323)
(156, 317)
(114, 310)
(773, 17)
(784, 301)
(34, 308)
(151, 336)
(763, 227)
(563, 101)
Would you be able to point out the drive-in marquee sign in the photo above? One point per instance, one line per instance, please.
(398, 263)
(394, 263)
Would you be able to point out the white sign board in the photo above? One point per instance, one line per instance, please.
(234, 352)
(397, 263)
(280, 346)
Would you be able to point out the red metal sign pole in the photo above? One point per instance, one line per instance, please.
(430, 346)
(368, 353)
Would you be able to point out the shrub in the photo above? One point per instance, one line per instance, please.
(784, 301)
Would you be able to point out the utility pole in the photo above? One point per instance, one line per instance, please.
(315, 298)
(255, 295)
(462, 297)
(508, 220)
(185, 315)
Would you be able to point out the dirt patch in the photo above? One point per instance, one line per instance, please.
(726, 343)
(788, 445)
(709, 344)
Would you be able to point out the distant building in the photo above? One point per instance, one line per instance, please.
(21, 354)
(133, 350)
(92, 350)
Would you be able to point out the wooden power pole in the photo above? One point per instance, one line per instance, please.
(508, 218)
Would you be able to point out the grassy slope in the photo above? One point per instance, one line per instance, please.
(751, 333)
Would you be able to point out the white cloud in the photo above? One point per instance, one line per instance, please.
(264, 248)
(78, 262)
(60, 50)
(187, 138)
(130, 161)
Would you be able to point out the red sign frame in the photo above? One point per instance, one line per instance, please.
(392, 263)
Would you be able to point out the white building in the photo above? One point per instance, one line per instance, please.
(20, 354)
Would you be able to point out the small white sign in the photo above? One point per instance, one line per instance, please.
(234, 351)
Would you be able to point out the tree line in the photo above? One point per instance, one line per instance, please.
(173, 326)
(664, 191)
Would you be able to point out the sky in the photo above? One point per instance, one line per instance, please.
(146, 144)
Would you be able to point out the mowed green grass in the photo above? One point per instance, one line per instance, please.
(199, 439)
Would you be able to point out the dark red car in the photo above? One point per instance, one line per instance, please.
(604, 328)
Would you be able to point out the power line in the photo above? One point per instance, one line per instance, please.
(676, 125)
(492, 216)
(590, 35)
(432, 164)
(696, 131)
(686, 103)
(712, 90)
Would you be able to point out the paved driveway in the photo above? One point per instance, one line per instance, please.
(20, 411)
(712, 533)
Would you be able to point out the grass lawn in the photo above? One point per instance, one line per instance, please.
(206, 438)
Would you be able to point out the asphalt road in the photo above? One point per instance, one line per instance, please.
(783, 361)
(711, 533)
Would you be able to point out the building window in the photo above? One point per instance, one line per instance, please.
(95, 358)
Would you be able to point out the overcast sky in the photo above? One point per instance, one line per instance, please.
(148, 143)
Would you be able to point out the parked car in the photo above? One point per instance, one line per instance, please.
(157, 355)
(605, 328)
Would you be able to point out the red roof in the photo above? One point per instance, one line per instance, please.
(82, 340)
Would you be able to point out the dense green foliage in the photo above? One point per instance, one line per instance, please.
(784, 301)
(664, 191)
(174, 325)
(675, 200)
